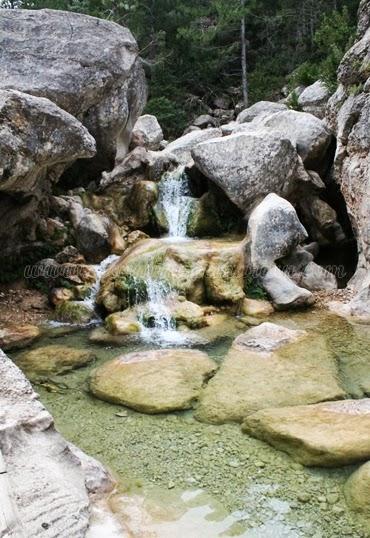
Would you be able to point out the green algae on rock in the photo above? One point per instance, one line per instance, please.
(52, 360)
(198, 270)
(73, 312)
(153, 381)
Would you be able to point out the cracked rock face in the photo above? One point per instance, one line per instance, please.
(50, 480)
(87, 66)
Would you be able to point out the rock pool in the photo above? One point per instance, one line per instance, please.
(179, 477)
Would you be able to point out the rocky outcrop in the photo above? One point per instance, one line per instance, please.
(249, 166)
(38, 140)
(290, 367)
(153, 381)
(348, 115)
(50, 479)
(89, 67)
(324, 435)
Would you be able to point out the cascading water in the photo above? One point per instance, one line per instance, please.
(175, 201)
(100, 269)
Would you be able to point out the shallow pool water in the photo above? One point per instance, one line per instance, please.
(178, 477)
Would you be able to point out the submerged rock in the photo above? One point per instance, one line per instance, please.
(52, 360)
(357, 490)
(14, 336)
(323, 435)
(153, 381)
(269, 366)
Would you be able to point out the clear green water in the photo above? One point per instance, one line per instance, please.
(197, 480)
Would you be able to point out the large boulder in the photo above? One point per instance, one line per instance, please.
(248, 166)
(260, 110)
(291, 368)
(274, 230)
(181, 147)
(153, 381)
(284, 292)
(50, 479)
(348, 115)
(198, 270)
(38, 140)
(147, 133)
(308, 134)
(314, 99)
(87, 66)
(324, 435)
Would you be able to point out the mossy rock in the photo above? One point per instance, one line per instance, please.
(203, 218)
(73, 312)
(52, 360)
(122, 323)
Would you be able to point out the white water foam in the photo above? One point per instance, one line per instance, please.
(175, 200)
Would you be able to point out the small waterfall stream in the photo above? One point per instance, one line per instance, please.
(100, 269)
(175, 200)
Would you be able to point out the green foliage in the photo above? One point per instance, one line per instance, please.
(194, 46)
(169, 113)
(253, 288)
(293, 101)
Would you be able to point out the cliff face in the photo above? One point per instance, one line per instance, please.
(349, 116)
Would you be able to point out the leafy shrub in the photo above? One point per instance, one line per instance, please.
(169, 113)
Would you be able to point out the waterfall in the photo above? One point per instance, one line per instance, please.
(175, 201)
(100, 269)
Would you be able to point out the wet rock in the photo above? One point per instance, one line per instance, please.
(101, 336)
(284, 293)
(256, 308)
(291, 368)
(147, 133)
(248, 166)
(260, 110)
(122, 323)
(196, 270)
(153, 381)
(60, 295)
(70, 254)
(357, 490)
(314, 99)
(74, 312)
(52, 360)
(181, 148)
(14, 336)
(324, 435)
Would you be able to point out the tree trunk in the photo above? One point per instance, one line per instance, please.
(244, 57)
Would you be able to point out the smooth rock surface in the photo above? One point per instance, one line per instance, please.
(325, 435)
(260, 110)
(153, 381)
(314, 98)
(181, 147)
(285, 293)
(52, 360)
(147, 133)
(269, 366)
(357, 490)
